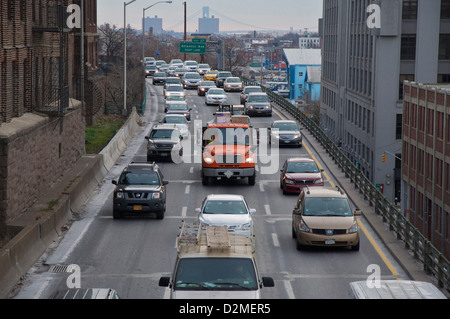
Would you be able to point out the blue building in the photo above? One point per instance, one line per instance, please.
(303, 73)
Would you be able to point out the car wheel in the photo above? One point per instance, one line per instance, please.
(160, 214)
(252, 180)
(205, 180)
(355, 247)
(117, 214)
(299, 246)
(294, 234)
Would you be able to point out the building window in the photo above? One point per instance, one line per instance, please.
(444, 47)
(398, 127)
(443, 78)
(409, 10)
(445, 9)
(408, 47)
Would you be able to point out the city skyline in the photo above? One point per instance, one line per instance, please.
(259, 15)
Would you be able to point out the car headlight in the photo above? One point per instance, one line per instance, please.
(120, 195)
(208, 160)
(303, 227)
(250, 106)
(250, 159)
(318, 181)
(156, 195)
(289, 181)
(354, 228)
(296, 136)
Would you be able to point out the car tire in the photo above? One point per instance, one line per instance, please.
(205, 180)
(160, 214)
(294, 234)
(252, 180)
(117, 214)
(355, 247)
(299, 246)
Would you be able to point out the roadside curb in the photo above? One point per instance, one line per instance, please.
(45, 221)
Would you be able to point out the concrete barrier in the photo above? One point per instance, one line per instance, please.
(43, 224)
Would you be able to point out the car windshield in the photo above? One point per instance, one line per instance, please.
(131, 178)
(233, 80)
(150, 67)
(250, 90)
(327, 206)
(207, 83)
(164, 134)
(224, 207)
(174, 88)
(176, 106)
(191, 63)
(175, 119)
(215, 274)
(302, 167)
(212, 72)
(217, 92)
(225, 74)
(203, 66)
(258, 98)
(173, 81)
(227, 136)
(175, 98)
(160, 75)
(286, 126)
(192, 76)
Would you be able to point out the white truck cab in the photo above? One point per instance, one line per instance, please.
(214, 264)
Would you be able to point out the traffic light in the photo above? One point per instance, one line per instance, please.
(383, 157)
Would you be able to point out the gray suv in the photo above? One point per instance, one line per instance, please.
(164, 142)
(140, 190)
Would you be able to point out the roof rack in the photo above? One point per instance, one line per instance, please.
(210, 237)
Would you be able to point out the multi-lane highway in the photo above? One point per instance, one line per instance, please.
(130, 255)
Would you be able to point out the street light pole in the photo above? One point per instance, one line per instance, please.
(143, 29)
(124, 110)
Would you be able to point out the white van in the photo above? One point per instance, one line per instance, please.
(211, 263)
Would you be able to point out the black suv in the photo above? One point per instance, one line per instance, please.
(140, 190)
(221, 76)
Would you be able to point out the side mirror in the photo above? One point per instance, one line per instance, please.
(198, 210)
(357, 212)
(164, 281)
(114, 182)
(165, 182)
(296, 211)
(252, 210)
(146, 137)
(268, 282)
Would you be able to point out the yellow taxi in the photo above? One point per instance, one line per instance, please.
(211, 75)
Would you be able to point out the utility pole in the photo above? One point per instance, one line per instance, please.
(184, 37)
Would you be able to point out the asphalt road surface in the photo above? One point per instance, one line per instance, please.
(130, 255)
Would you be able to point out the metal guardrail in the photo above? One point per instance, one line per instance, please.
(434, 262)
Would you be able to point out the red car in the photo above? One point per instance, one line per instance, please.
(298, 172)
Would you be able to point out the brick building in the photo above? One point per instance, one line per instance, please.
(426, 161)
(42, 121)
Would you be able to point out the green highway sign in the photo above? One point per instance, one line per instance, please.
(198, 40)
(193, 47)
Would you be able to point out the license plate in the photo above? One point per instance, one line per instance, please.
(330, 241)
(164, 154)
(137, 207)
(217, 101)
(287, 141)
(259, 111)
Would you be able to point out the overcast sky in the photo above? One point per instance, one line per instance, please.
(234, 15)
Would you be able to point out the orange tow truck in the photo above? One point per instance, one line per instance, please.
(228, 152)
